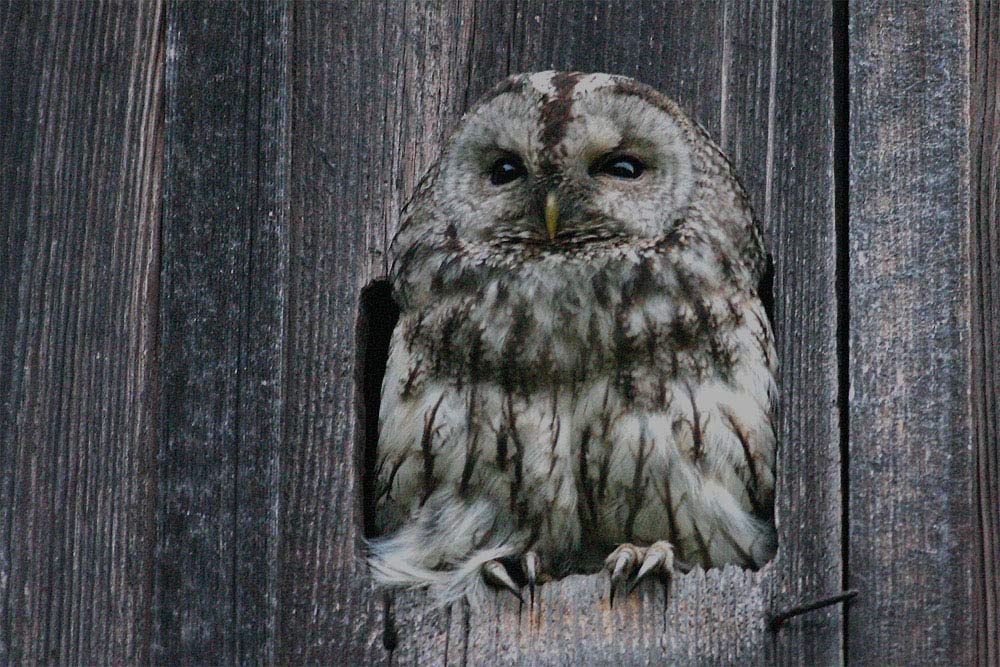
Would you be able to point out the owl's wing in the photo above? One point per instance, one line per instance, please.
(441, 527)
(401, 424)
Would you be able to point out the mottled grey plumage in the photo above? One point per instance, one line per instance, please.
(601, 387)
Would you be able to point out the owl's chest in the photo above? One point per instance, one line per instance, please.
(591, 398)
(563, 322)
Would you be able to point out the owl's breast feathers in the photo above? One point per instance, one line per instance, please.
(592, 399)
(527, 317)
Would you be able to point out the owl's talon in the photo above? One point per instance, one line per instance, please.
(659, 557)
(532, 566)
(621, 563)
(496, 574)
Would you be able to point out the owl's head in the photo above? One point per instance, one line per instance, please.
(559, 162)
(564, 158)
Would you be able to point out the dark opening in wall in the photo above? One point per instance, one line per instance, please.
(765, 290)
(376, 319)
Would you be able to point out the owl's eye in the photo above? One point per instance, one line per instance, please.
(619, 166)
(507, 169)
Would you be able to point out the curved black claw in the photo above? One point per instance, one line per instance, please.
(627, 558)
(659, 558)
(496, 574)
(621, 563)
(532, 566)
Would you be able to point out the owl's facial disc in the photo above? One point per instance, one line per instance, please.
(565, 160)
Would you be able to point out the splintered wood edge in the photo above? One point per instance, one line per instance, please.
(572, 620)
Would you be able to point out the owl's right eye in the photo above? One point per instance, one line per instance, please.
(507, 169)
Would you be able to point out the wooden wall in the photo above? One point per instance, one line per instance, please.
(984, 254)
(910, 473)
(195, 197)
(81, 140)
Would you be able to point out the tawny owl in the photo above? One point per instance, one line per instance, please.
(583, 372)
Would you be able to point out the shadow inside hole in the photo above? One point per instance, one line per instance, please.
(377, 318)
(765, 291)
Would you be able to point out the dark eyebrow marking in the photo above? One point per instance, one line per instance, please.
(556, 111)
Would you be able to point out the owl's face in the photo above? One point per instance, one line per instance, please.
(560, 160)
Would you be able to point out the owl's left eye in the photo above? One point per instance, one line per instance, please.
(507, 169)
(619, 166)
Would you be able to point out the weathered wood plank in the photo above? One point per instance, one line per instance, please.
(79, 229)
(376, 87)
(910, 442)
(984, 69)
(799, 202)
(224, 267)
(762, 83)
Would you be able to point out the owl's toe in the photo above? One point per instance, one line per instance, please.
(627, 558)
(659, 558)
(532, 568)
(621, 563)
(496, 574)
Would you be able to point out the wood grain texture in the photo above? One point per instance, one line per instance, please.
(241, 542)
(79, 227)
(799, 202)
(369, 80)
(761, 82)
(224, 273)
(911, 533)
(984, 149)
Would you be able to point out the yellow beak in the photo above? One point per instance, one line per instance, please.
(551, 214)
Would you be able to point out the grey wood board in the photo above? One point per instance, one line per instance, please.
(345, 171)
(798, 187)
(222, 309)
(910, 442)
(79, 231)
(985, 255)
(353, 164)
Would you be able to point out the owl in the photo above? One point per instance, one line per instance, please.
(582, 373)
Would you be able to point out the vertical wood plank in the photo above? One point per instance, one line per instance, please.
(652, 41)
(799, 203)
(262, 389)
(984, 74)
(224, 266)
(80, 86)
(741, 74)
(376, 88)
(910, 457)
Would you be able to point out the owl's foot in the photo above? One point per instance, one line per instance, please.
(496, 574)
(532, 568)
(622, 562)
